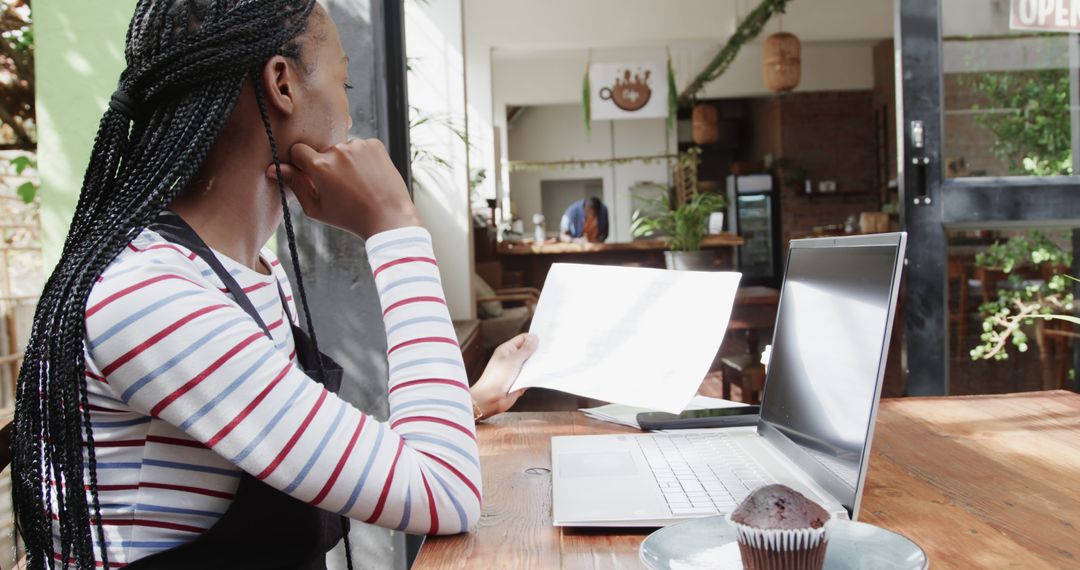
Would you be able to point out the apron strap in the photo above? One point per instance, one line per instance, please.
(174, 229)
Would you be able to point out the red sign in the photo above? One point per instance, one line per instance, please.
(1045, 15)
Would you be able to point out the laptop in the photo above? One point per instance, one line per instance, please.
(830, 342)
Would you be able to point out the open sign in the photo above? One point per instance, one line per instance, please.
(1045, 15)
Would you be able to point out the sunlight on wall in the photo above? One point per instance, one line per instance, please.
(79, 55)
(433, 38)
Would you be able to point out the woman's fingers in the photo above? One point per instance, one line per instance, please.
(352, 185)
(304, 157)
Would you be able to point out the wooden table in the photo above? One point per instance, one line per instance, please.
(978, 482)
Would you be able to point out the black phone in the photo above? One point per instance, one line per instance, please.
(716, 417)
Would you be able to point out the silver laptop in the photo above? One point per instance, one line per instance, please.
(821, 394)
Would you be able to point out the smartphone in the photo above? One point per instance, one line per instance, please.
(717, 417)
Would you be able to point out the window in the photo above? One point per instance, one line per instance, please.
(1007, 96)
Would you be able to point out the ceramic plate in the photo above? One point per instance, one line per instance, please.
(710, 543)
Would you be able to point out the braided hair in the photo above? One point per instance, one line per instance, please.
(187, 61)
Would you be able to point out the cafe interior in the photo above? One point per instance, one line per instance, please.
(795, 129)
(956, 121)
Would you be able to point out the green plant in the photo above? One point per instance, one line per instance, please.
(1017, 307)
(27, 190)
(17, 75)
(421, 154)
(685, 224)
(1029, 119)
(748, 29)
(789, 173)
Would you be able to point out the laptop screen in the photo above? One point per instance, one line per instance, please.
(827, 360)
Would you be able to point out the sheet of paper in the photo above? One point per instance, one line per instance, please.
(627, 415)
(628, 335)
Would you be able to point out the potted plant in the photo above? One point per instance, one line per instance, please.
(685, 225)
(786, 172)
(1039, 291)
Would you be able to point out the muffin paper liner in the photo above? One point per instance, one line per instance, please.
(786, 549)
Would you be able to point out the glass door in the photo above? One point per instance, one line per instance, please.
(989, 128)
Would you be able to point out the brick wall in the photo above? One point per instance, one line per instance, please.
(832, 136)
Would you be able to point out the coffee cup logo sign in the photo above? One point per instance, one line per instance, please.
(629, 94)
(628, 90)
(1045, 15)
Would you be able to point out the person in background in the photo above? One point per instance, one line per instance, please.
(585, 221)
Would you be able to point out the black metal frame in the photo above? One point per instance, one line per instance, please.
(397, 88)
(396, 109)
(981, 202)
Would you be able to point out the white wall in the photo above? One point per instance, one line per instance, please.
(557, 132)
(555, 77)
(434, 46)
(533, 25)
(483, 118)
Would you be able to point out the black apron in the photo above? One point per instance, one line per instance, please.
(263, 528)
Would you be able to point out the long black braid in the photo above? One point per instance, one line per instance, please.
(187, 61)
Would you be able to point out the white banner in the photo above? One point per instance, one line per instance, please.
(628, 90)
(1045, 15)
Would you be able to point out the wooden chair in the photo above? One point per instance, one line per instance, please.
(958, 272)
(1054, 339)
(754, 310)
(515, 306)
(746, 371)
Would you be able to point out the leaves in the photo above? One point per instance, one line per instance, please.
(586, 102)
(17, 102)
(686, 224)
(748, 29)
(1019, 305)
(1028, 114)
(27, 191)
(21, 163)
(673, 95)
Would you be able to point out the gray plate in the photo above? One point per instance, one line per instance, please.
(710, 543)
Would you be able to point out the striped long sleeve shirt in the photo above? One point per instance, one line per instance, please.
(186, 390)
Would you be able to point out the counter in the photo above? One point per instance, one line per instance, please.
(527, 263)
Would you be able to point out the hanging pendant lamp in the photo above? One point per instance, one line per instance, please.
(782, 62)
(706, 123)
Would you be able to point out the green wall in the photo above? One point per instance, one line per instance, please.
(79, 55)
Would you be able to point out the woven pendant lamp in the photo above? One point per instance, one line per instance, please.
(705, 120)
(782, 62)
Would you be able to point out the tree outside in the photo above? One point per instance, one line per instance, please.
(18, 130)
(21, 271)
(1028, 115)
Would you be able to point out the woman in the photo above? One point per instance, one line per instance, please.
(170, 413)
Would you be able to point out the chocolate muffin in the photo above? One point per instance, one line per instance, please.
(779, 528)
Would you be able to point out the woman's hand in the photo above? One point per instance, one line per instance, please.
(352, 185)
(492, 391)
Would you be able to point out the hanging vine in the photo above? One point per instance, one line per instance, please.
(747, 30)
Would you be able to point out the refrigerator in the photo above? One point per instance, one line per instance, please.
(752, 211)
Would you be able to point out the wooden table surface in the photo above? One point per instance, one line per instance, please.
(978, 482)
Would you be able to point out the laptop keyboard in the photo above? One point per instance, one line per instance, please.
(701, 474)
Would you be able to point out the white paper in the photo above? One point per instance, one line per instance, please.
(627, 415)
(628, 335)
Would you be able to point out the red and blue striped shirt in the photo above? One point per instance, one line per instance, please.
(186, 391)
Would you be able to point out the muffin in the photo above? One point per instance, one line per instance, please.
(779, 528)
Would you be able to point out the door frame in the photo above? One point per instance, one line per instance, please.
(952, 203)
